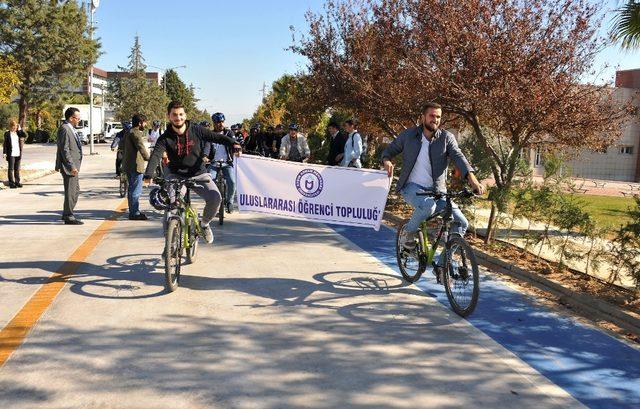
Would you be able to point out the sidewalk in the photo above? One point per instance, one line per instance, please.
(38, 160)
(577, 243)
(602, 187)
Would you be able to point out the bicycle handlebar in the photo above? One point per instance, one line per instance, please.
(439, 195)
(162, 181)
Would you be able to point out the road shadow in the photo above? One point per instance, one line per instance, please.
(382, 352)
(53, 217)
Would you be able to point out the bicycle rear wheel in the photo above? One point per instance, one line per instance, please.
(124, 185)
(173, 255)
(192, 251)
(461, 277)
(223, 195)
(411, 263)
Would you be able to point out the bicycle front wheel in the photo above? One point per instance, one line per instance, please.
(411, 263)
(192, 251)
(124, 185)
(461, 277)
(173, 254)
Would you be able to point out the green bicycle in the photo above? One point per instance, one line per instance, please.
(459, 273)
(182, 229)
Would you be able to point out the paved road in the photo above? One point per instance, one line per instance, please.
(276, 314)
(43, 155)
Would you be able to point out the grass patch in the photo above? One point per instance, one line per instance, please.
(608, 211)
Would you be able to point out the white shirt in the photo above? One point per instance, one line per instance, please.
(75, 133)
(221, 152)
(352, 150)
(421, 172)
(15, 144)
(153, 136)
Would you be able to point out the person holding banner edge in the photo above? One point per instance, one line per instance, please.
(425, 152)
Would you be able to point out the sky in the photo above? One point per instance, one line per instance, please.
(231, 48)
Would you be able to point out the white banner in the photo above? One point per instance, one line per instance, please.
(326, 194)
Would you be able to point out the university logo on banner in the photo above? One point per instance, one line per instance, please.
(327, 194)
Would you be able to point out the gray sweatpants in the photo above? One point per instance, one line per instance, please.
(206, 189)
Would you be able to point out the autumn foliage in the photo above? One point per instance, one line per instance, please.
(513, 72)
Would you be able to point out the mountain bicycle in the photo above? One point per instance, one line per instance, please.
(221, 182)
(124, 184)
(182, 229)
(459, 272)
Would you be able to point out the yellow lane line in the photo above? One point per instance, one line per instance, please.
(14, 333)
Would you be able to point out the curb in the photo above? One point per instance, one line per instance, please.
(32, 177)
(586, 302)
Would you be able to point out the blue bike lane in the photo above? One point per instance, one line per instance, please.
(595, 368)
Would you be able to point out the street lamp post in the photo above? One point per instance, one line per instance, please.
(164, 74)
(93, 5)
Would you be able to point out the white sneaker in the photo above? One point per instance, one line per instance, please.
(208, 234)
(408, 240)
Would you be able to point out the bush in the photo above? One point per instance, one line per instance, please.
(626, 248)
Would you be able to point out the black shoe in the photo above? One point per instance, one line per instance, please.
(229, 208)
(18, 184)
(70, 220)
(139, 216)
(12, 186)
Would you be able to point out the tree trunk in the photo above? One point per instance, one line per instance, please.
(586, 270)
(492, 224)
(513, 221)
(526, 241)
(23, 106)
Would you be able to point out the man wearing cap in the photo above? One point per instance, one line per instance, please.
(294, 146)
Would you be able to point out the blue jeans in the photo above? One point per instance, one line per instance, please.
(230, 177)
(135, 190)
(425, 206)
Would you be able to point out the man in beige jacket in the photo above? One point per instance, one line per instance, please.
(133, 164)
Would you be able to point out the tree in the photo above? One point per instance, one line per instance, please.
(8, 78)
(50, 42)
(626, 25)
(133, 93)
(512, 71)
(178, 91)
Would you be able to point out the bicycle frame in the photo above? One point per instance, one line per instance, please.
(217, 165)
(447, 218)
(185, 215)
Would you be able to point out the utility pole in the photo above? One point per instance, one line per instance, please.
(263, 90)
(93, 5)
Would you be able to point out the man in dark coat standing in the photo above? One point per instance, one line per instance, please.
(68, 161)
(337, 140)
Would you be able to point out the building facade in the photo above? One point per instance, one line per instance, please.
(621, 161)
(99, 86)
